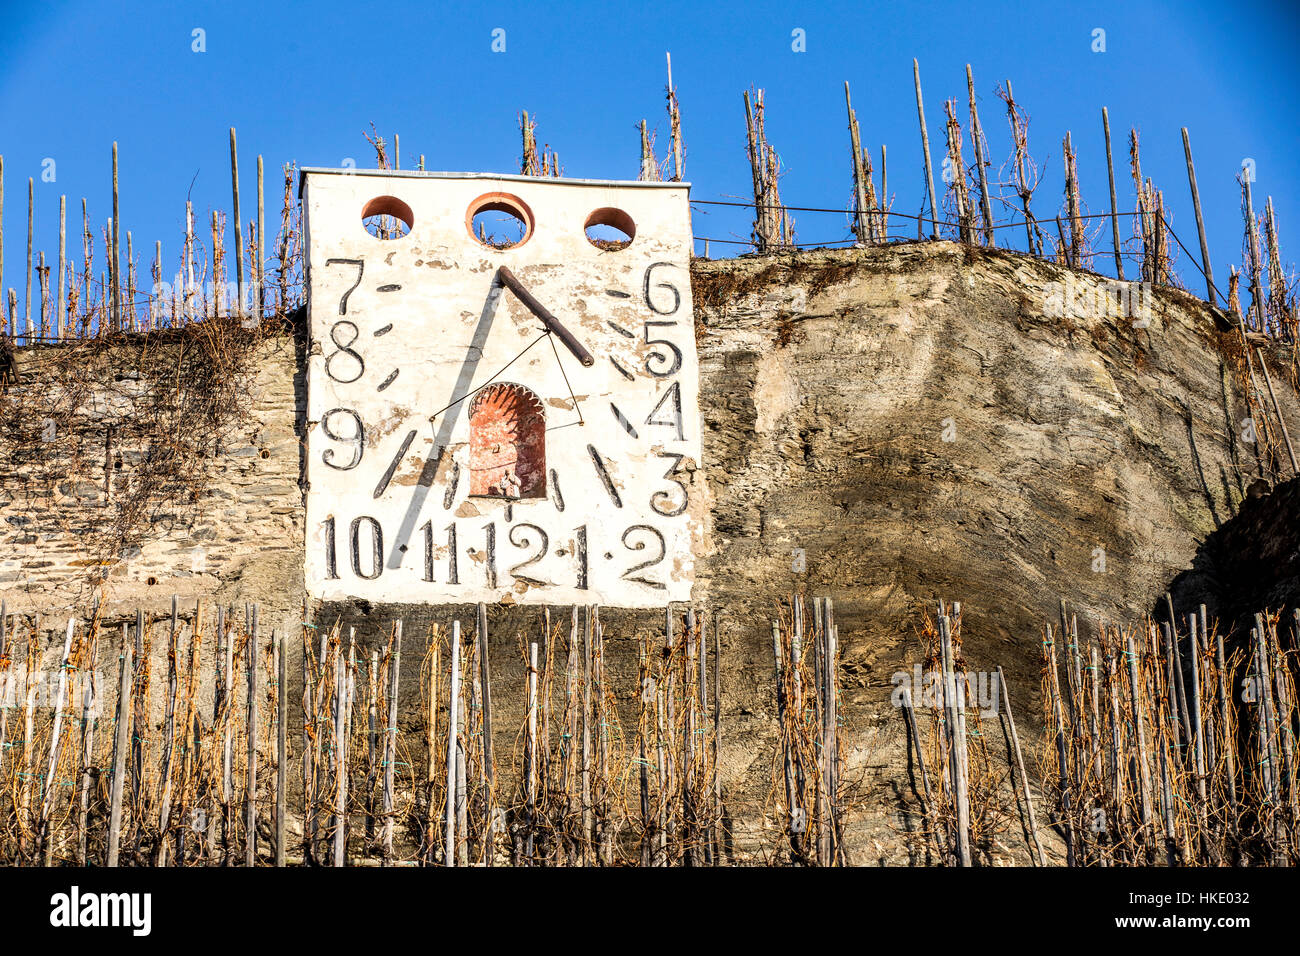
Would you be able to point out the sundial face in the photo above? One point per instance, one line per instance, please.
(492, 424)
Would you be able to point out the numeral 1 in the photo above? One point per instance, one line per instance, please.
(331, 554)
(453, 569)
(582, 557)
(427, 528)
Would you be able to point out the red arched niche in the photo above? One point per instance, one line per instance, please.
(507, 443)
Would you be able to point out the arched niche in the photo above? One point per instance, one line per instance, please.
(507, 443)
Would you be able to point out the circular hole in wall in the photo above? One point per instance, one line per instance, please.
(499, 220)
(610, 229)
(387, 217)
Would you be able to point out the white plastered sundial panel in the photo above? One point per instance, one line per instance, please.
(407, 333)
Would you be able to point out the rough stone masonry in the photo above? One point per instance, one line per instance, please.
(888, 426)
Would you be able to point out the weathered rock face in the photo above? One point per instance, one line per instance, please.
(916, 424)
(886, 426)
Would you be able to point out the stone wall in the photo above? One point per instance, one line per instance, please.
(888, 427)
(242, 541)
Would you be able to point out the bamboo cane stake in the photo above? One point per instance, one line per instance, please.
(1114, 207)
(169, 737)
(89, 705)
(644, 686)
(462, 750)
(588, 820)
(239, 235)
(116, 247)
(489, 770)
(1206, 266)
(1252, 245)
(955, 692)
(63, 254)
(662, 808)
(228, 745)
(977, 141)
(1020, 765)
(250, 729)
(50, 792)
(341, 776)
(139, 719)
(601, 717)
(1144, 773)
(925, 150)
(689, 833)
(430, 744)
(308, 821)
(1062, 752)
(704, 810)
(960, 194)
(453, 704)
(544, 754)
(860, 227)
(1198, 740)
(1019, 136)
(259, 269)
(674, 122)
(783, 708)
(1277, 411)
(717, 742)
(1072, 200)
(928, 808)
(119, 755)
(372, 740)
(390, 743)
(884, 195)
(27, 298)
(281, 745)
(530, 752)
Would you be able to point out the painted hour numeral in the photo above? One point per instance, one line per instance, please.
(677, 296)
(427, 528)
(490, 532)
(354, 548)
(524, 541)
(581, 556)
(673, 397)
(357, 439)
(453, 570)
(662, 501)
(376, 547)
(670, 364)
(331, 551)
(640, 545)
(353, 365)
(361, 268)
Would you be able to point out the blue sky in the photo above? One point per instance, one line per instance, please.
(303, 82)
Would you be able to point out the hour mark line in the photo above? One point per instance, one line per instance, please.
(622, 420)
(384, 331)
(619, 329)
(392, 467)
(388, 381)
(393, 287)
(604, 476)
(621, 370)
